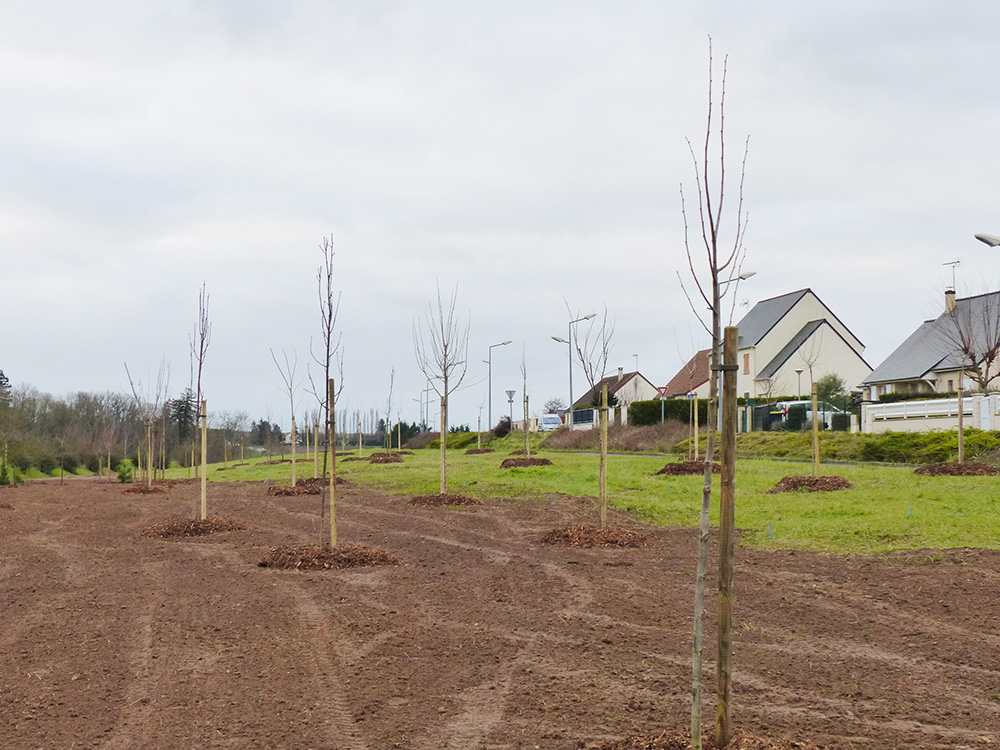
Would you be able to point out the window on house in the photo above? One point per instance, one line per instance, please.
(951, 387)
(746, 364)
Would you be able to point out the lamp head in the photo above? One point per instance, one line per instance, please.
(989, 239)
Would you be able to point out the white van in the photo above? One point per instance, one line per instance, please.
(549, 422)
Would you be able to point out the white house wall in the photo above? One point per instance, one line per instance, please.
(805, 310)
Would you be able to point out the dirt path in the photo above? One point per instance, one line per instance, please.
(484, 638)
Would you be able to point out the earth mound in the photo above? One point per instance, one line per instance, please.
(478, 451)
(186, 527)
(591, 536)
(686, 468)
(313, 557)
(682, 741)
(386, 458)
(444, 500)
(510, 463)
(810, 484)
(521, 453)
(955, 469)
(142, 489)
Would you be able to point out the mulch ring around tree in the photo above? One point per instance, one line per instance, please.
(355, 458)
(810, 484)
(445, 500)
(142, 489)
(231, 466)
(685, 468)
(385, 458)
(520, 452)
(591, 536)
(510, 463)
(478, 451)
(186, 527)
(955, 469)
(313, 557)
(682, 741)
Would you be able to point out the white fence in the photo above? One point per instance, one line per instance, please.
(982, 412)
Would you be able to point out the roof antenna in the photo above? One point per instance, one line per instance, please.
(953, 264)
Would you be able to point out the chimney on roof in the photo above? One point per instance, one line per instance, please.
(621, 374)
(949, 300)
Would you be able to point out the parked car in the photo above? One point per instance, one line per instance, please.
(779, 413)
(549, 422)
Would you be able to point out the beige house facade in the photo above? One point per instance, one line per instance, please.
(789, 341)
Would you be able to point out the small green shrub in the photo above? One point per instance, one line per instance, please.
(47, 464)
(70, 462)
(125, 470)
(4, 479)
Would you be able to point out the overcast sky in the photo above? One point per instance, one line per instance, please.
(530, 153)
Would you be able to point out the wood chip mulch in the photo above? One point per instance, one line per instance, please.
(682, 741)
(591, 536)
(478, 451)
(521, 453)
(279, 490)
(810, 484)
(186, 527)
(685, 468)
(6, 506)
(313, 557)
(435, 501)
(142, 489)
(510, 463)
(356, 458)
(955, 469)
(386, 458)
(275, 463)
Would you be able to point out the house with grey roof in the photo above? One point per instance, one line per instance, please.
(960, 345)
(784, 341)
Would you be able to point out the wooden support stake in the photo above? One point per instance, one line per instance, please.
(727, 524)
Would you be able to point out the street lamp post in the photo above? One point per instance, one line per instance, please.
(569, 333)
(489, 385)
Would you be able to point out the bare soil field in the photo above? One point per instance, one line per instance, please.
(483, 638)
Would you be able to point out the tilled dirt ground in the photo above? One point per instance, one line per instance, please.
(483, 638)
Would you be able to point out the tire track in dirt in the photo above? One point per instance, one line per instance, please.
(322, 637)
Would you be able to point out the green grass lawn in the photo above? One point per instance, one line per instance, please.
(890, 508)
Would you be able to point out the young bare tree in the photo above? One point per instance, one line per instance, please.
(330, 354)
(972, 331)
(388, 412)
(524, 379)
(593, 348)
(199, 340)
(288, 377)
(148, 400)
(441, 353)
(720, 268)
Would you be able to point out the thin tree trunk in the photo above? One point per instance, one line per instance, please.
(527, 440)
(333, 467)
(204, 460)
(293, 450)
(815, 429)
(603, 489)
(444, 446)
(697, 677)
(961, 423)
